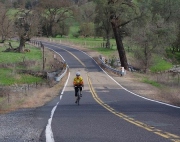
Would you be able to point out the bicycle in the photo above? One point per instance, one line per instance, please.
(78, 94)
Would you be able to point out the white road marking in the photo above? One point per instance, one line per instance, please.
(48, 132)
(124, 87)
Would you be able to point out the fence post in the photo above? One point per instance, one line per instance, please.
(8, 98)
(43, 56)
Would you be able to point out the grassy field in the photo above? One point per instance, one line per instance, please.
(11, 63)
(35, 55)
(10, 57)
(87, 42)
(160, 65)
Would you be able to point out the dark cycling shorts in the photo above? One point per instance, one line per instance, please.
(76, 90)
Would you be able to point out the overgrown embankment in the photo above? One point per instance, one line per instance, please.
(22, 77)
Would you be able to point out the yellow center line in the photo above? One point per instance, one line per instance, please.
(166, 135)
(161, 133)
(72, 55)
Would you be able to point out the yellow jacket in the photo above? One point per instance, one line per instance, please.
(78, 81)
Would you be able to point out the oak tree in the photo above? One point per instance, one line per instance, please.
(122, 12)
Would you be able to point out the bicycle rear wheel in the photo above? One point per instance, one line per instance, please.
(78, 97)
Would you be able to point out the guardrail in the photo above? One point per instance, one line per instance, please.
(58, 78)
(56, 75)
(118, 72)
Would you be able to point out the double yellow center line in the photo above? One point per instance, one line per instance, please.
(161, 133)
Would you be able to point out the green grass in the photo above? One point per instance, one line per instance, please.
(160, 65)
(104, 51)
(153, 83)
(88, 42)
(9, 76)
(92, 43)
(10, 57)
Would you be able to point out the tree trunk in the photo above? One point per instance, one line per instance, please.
(2, 39)
(146, 59)
(120, 47)
(21, 45)
(108, 42)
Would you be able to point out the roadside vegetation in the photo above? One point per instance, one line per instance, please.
(12, 64)
(143, 36)
(22, 77)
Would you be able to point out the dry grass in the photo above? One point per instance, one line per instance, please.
(32, 99)
(10, 100)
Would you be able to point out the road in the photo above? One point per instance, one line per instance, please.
(108, 113)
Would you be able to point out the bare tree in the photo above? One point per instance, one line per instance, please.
(5, 23)
(26, 26)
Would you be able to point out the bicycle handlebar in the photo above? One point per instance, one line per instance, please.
(79, 86)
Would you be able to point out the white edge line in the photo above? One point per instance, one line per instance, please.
(123, 87)
(48, 132)
(65, 84)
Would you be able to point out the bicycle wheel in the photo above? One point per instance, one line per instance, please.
(78, 96)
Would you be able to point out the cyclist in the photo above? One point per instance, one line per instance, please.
(78, 82)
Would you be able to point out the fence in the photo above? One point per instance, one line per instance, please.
(167, 78)
(18, 91)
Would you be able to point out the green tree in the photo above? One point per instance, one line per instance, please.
(62, 28)
(153, 32)
(102, 20)
(122, 12)
(85, 17)
(87, 29)
(169, 11)
(53, 12)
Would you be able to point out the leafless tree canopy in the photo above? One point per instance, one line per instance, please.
(5, 23)
(26, 26)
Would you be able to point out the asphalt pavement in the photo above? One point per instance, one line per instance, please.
(107, 112)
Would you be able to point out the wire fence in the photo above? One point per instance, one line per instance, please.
(167, 78)
(18, 91)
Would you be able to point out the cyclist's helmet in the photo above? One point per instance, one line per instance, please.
(78, 74)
